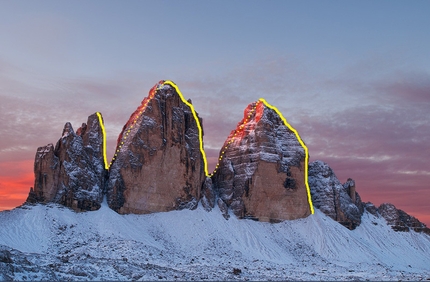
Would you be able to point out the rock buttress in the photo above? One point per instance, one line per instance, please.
(261, 170)
(157, 165)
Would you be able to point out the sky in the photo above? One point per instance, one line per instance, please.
(352, 77)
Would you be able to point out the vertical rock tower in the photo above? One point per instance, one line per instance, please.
(73, 173)
(158, 164)
(262, 168)
(339, 201)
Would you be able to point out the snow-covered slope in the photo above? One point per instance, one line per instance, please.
(55, 243)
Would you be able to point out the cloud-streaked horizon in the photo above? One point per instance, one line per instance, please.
(355, 83)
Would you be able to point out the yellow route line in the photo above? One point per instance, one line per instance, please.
(104, 139)
(171, 83)
(301, 143)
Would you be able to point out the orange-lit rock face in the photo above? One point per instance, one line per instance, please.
(158, 164)
(137, 113)
(261, 171)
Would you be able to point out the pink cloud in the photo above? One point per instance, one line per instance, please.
(410, 87)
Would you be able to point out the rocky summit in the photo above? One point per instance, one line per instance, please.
(261, 169)
(73, 172)
(158, 165)
(396, 218)
(340, 202)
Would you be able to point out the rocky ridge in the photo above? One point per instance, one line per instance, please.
(396, 218)
(342, 203)
(159, 166)
(73, 172)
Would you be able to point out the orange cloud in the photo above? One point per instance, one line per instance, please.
(16, 178)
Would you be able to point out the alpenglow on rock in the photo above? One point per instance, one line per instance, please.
(158, 165)
(261, 171)
(73, 173)
(340, 202)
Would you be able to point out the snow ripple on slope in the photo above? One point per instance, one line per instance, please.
(61, 244)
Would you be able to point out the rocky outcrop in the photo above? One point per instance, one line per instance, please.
(401, 221)
(73, 173)
(5, 255)
(208, 195)
(349, 187)
(223, 208)
(46, 172)
(343, 204)
(340, 202)
(371, 208)
(158, 165)
(261, 169)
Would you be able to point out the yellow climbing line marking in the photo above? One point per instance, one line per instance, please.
(171, 83)
(104, 139)
(301, 143)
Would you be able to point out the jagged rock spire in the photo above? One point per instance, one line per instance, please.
(73, 173)
(340, 202)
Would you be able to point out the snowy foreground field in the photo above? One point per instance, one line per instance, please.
(54, 243)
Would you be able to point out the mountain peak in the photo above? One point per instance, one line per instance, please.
(251, 116)
(129, 125)
(159, 163)
(254, 113)
(261, 173)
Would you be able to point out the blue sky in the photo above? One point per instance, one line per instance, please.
(353, 77)
(104, 37)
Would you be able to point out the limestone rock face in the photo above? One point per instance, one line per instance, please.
(340, 202)
(349, 187)
(223, 208)
(46, 172)
(208, 195)
(158, 165)
(369, 207)
(401, 221)
(72, 173)
(261, 172)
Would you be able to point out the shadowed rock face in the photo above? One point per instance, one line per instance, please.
(340, 202)
(73, 172)
(208, 196)
(261, 174)
(158, 164)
